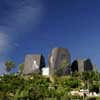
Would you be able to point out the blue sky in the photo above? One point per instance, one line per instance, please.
(37, 26)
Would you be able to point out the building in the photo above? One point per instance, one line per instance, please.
(82, 65)
(45, 71)
(33, 64)
(56, 58)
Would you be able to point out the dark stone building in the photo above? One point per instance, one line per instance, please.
(33, 64)
(56, 58)
(82, 65)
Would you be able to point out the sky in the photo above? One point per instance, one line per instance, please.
(37, 26)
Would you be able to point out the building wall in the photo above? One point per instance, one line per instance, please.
(82, 65)
(33, 64)
(56, 57)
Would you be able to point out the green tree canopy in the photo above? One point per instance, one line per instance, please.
(21, 67)
(9, 65)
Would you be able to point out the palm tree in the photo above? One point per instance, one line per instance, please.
(21, 67)
(9, 65)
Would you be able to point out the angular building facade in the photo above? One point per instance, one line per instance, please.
(56, 58)
(82, 65)
(33, 64)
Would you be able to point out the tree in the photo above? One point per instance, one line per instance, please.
(21, 67)
(9, 65)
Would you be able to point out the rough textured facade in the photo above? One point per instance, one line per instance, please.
(33, 64)
(56, 57)
(95, 68)
(82, 65)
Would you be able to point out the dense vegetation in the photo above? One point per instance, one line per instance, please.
(37, 87)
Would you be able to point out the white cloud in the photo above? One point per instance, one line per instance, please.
(3, 42)
(15, 44)
(25, 17)
(20, 18)
(2, 68)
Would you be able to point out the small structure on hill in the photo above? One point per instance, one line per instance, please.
(56, 58)
(82, 65)
(33, 64)
(45, 71)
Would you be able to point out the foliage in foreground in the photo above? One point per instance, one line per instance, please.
(37, 87)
